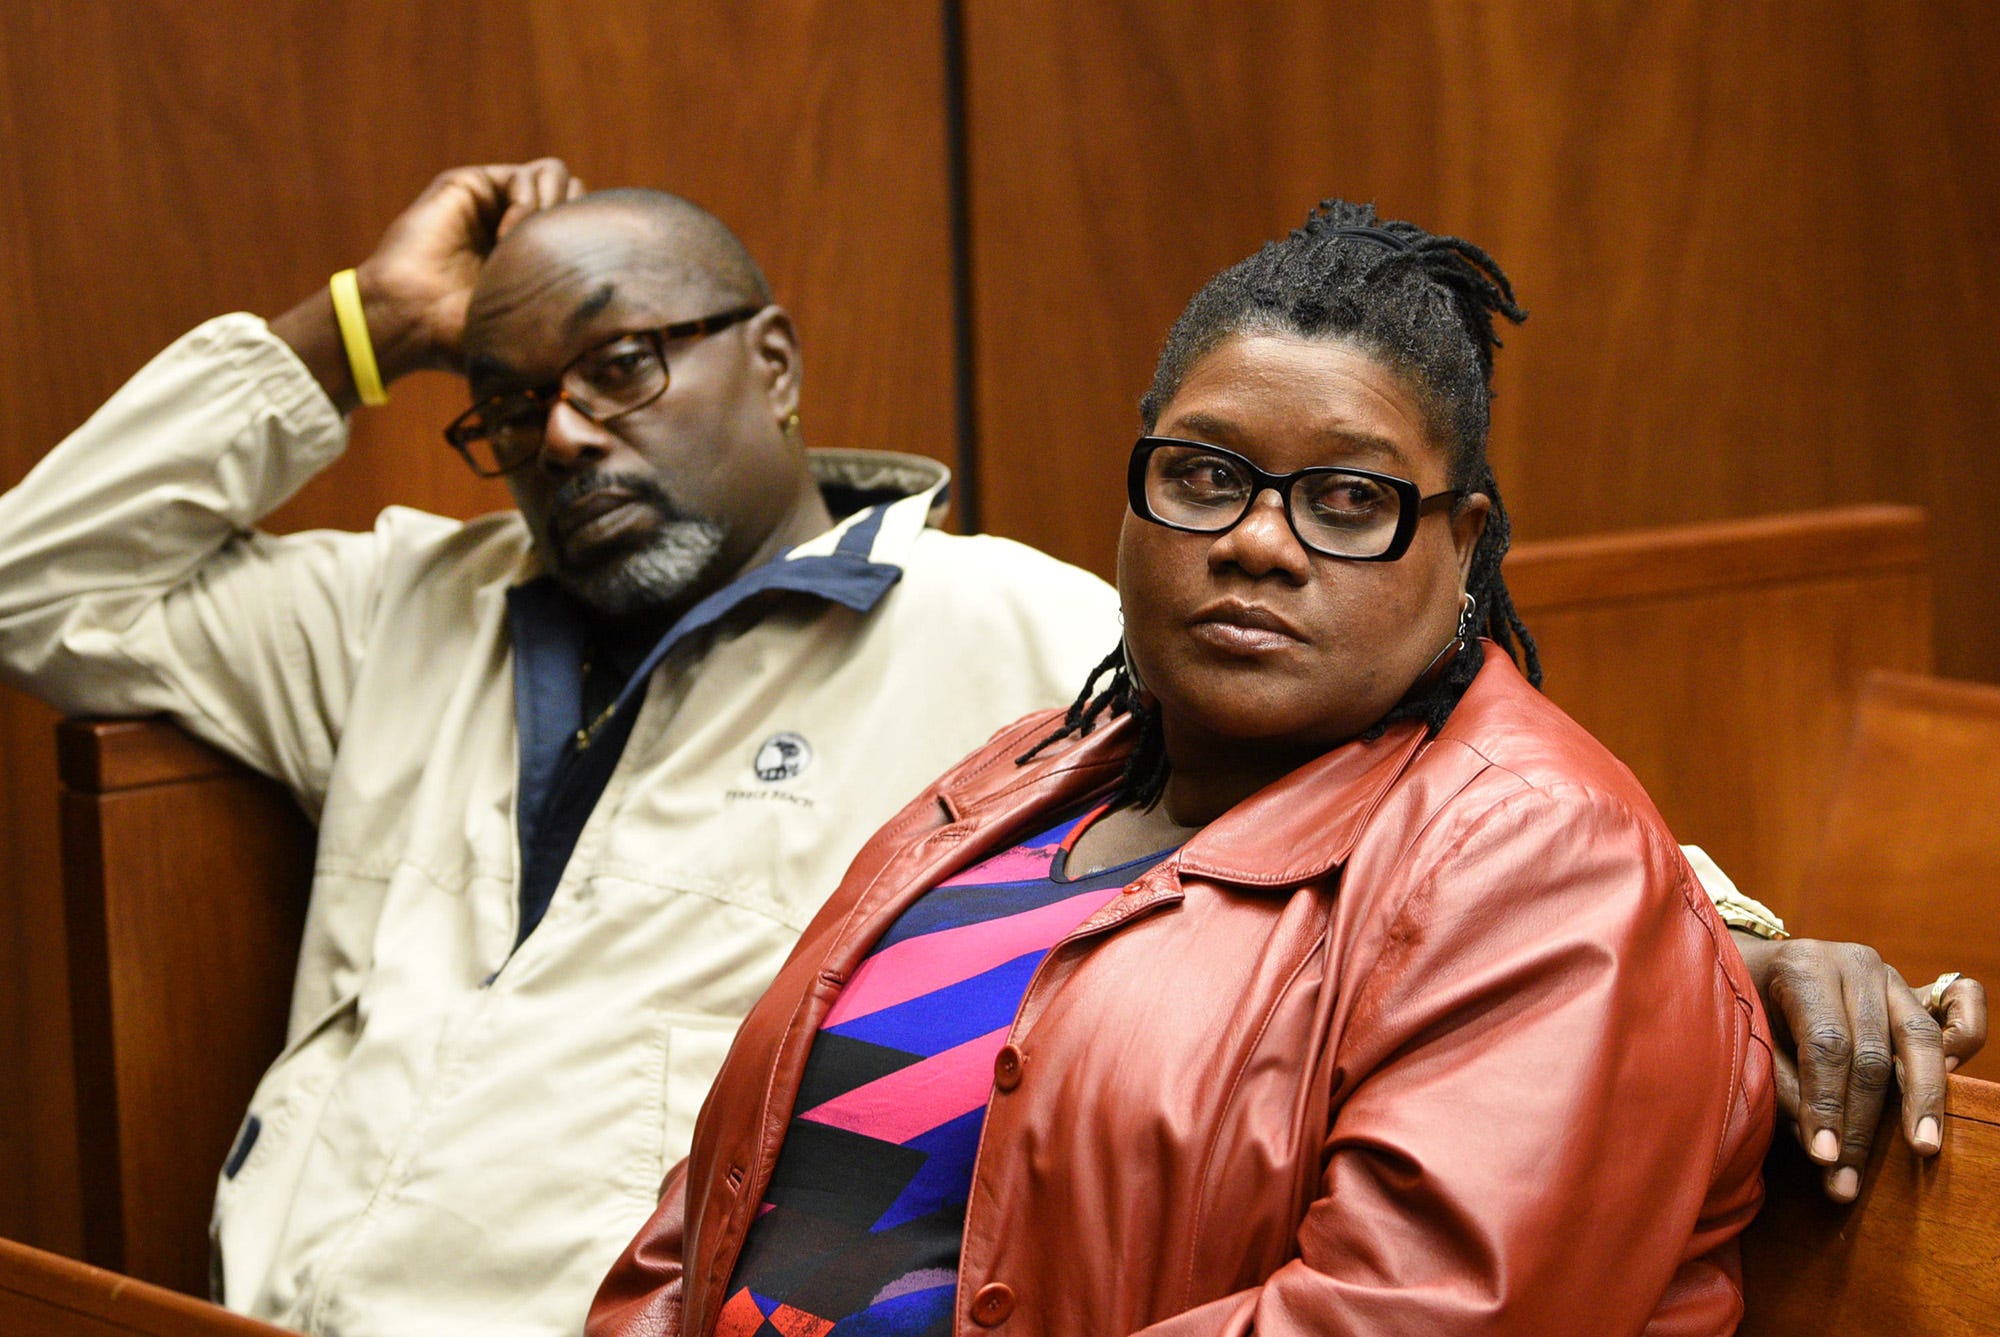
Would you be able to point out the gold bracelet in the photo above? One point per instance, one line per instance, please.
(346, 290)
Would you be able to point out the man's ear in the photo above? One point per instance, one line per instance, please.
(774, 343)
(1468, 524)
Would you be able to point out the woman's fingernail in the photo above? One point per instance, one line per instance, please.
(1825, 1145)
(1950, 1064)
(1927, 1132)
(1846, 1183)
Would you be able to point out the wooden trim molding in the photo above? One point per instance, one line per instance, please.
(98, 756)
(52, 1296)
(1715, 555)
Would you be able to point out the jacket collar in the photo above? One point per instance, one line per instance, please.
(854, 563)
(1294, 830)
(885, 501)
(1302, 826)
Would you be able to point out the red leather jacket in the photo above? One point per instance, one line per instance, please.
(1431, 1036)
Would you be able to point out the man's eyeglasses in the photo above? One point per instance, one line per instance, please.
(1352, 513)
(622, 375)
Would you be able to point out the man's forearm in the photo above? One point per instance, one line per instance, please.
(313, 333)
(310, 330)
(193, 451)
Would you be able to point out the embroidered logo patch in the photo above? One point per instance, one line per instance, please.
(782, 757)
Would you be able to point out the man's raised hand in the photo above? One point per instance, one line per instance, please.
(421, 274)
(416, 284)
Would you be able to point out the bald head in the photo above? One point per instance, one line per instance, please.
(574, 261)
(645, 231)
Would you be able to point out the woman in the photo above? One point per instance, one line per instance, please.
(1314, 975)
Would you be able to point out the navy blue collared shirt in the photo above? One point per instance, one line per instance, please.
(562, 776)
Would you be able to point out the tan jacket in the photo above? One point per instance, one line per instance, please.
(456, 1139)
(1429, 1037)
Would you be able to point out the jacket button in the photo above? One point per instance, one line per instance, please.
(1007, 1070)
(992, 1303)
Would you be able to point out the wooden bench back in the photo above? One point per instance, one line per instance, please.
(1909, 856)
(184, 884)
(1914, 1256)
(1718, 659)
(47, 1296)
(1721, 662)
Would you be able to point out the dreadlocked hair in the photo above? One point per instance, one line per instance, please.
(1423, 305)
(1145, 775)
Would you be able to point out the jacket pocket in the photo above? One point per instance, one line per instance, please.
(696, 1048)
(253, 1189)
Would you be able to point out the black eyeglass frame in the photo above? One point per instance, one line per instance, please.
(457, 433)
(1411, 507)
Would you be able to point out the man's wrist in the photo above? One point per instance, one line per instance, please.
(1740, 914)
(1736, 910)
(1758, 953)
(313, 334)
(399, 333)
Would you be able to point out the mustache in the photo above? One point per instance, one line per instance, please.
(639, 487)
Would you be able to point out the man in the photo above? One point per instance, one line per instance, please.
(581, 773)
(710, 691)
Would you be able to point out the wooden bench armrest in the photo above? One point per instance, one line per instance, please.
(185, 879)
(1912, 1256)
(1720, 662)
(50, 1296)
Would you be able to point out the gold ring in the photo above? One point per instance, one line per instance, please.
(1939, 988)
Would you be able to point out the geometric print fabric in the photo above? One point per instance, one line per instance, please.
(860, 1230)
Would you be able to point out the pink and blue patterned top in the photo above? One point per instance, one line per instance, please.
(860, 1229)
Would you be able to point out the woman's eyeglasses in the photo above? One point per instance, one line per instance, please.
(622, 375)
(1356, 514)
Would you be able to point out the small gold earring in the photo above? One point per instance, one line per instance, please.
(791, 426)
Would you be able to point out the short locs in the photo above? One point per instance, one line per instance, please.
(1423, 305)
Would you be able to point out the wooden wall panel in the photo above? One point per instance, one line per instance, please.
(178, 160)
(38, 1164)
(1760, 242)
(1913, 817)
(1721, 662)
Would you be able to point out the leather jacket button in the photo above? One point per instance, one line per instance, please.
(992, 1303)
(1007, 1068)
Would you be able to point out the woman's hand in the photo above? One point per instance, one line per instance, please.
(1845, 1022)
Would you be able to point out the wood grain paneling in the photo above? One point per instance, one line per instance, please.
(38, 1164)
(184, 879)
(1761, 243)
(51, 1296)
(1908, 859)
(1912, 1256)
(1721, 661)
(193, 159)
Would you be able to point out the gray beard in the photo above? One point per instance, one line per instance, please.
(656, 577)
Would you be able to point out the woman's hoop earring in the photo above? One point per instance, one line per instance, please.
(1462, 637)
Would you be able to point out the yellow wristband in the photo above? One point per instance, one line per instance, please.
(346, 292)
